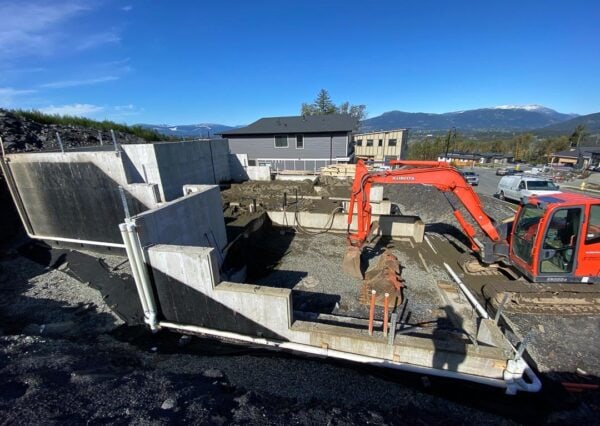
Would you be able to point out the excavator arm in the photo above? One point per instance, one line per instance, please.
(433, 173)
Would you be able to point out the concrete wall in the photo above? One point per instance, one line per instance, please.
(193, 220)
(392, 226)
(259, 173)
(174, 164)
(189, 291)
(320, 147)
(237, 167)
(76, 194)
(187, 284)
(241, 171)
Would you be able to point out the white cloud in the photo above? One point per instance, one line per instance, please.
(127, 8)
(121, 111)
(34, 27)
(8, 95)
(43, 28)
(75, 83)
(129, 107)
(73, 109)
(111, 112)
(95, 40)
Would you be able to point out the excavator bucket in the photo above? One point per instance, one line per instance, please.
(383, 278)
(351, 264)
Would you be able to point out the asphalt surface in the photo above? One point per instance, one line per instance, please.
(488, 183)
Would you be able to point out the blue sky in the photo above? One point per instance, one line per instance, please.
(232, 62)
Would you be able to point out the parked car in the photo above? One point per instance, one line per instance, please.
(506, 171)
(471, 177)
(517, 188)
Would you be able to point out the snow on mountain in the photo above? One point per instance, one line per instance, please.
(530, 107)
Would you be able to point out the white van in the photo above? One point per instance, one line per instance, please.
(518, 187)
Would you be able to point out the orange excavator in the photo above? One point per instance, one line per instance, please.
(553, 239)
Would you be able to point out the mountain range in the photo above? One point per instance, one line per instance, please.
(503, 118)
(500, 118)
(202, 130)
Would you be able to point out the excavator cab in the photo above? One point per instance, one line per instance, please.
(556, 238)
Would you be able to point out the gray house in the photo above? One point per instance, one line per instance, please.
(295, 143)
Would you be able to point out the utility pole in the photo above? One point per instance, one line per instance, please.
(451, 135)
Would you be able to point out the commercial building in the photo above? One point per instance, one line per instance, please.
(381, 146)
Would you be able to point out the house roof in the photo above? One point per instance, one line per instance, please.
(461, 155)
(298, 124)
(584, 151)
(494, 155)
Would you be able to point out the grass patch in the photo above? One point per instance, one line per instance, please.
(105, 125)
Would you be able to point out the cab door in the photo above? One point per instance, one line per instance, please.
(524, 239)
(589, 256)
(559, 246)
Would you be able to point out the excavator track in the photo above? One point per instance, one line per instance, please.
(552, 299)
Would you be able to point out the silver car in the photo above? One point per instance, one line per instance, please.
(471, 177)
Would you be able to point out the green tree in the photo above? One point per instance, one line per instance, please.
(578, 135)
(324, 105)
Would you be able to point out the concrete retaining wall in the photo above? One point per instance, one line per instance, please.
(171, 165)
(393, 226)
(259, 173)
(237, 167)
(189, 292)
(187, 284)
(76, 194)
(193, 220)
(241, 171)
(296, 178)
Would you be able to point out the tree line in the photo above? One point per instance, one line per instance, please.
(524, 147)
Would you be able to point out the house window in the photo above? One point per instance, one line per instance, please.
(358, 142)
(281, 141)
(380, 143)
(369, 142)
(392, 142)
(299, 141)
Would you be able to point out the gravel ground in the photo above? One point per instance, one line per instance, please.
(66, 358)
(87, 367)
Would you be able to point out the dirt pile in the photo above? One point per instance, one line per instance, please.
(20, 134)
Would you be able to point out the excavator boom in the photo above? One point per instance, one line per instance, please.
(554, 240)
(438, 174)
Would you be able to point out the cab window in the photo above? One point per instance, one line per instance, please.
(592, 234)
(526, 231)
(560, 241)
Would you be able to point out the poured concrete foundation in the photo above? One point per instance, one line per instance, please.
(82, 196)
(391, 226)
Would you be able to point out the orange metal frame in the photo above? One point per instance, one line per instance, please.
(435, 173)
(588, 253)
